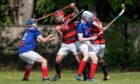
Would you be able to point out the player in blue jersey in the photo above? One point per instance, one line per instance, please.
(83, 43)
(28, 46)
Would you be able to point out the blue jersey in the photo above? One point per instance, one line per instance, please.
(84, 28)
(29, 40)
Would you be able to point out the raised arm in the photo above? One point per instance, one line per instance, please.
(76, 11)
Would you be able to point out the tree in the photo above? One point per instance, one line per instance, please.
(4, 13)
(21, 10)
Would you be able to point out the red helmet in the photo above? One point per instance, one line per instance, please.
(58, 13)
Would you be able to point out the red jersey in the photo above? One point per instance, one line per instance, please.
(68, 30)
(100, 39)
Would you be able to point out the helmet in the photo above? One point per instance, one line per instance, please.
(31, 22)
(87, 15)
(58, 13)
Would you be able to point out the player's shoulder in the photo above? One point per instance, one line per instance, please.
(58, 27)
(33, 30)
(98, 21)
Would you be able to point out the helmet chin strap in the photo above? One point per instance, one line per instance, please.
(35, 25)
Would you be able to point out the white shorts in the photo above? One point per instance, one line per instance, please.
(81, 46)
(29, 57)
(99, 49)
(85, 46)
(65, 48)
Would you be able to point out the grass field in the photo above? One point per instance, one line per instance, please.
(68, 77)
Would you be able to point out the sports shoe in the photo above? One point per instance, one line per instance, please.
(78, 77)
(92, 80)
(25, 79)
(45, 79)
(106, 78)
(55, 78)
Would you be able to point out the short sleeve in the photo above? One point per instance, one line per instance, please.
(58, 27)
(79, 28)
(37, 33)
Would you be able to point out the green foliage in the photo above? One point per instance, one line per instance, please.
(120, 47)
(44, 7)
(107, 9)
(115, 4)
(4, 13)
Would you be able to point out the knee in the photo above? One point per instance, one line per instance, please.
(29, 66)
(58, 60)
(95, 59)
(85, 58)
(101, 60)
(44, 61)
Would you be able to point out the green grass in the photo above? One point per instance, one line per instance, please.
(68, 77)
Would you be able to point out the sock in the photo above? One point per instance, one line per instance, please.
(27, 72)
(104, 68)
(81, 67)
(57, 69)
(88, 68)
(85, 73)
(44, 72)
(92, 70)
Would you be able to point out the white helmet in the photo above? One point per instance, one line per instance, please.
(87, 15)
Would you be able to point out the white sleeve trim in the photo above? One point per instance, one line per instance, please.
(81, 34)
(39, 36)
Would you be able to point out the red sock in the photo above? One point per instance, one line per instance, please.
(81, 67)
(44, 72)
(27, 72)
(92, 70)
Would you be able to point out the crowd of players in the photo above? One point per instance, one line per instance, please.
(80, 37)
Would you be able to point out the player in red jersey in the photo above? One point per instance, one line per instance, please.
(99, 46)
(68, 35)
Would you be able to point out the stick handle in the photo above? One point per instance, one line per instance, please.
(38, 19)
(76, 15)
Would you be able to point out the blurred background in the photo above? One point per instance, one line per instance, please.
(122, 38)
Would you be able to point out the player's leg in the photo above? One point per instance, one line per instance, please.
(104, 68)
(79, 58)
(76, 53)
(93, 65)
(27, 72)
(44, 67)
(86, 71)
(103, 63)
(30, 59)
(61, 53)
(58, 61)
(84, 51)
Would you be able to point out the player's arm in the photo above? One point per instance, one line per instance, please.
(76, 11)
(98, 26)
(77, 57)
(81, 38)
(58, 30)
(40, 38)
